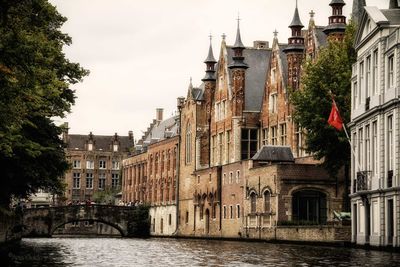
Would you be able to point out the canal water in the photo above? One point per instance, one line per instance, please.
(182, 252)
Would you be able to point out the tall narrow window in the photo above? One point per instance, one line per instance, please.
(368, 77)
(361, 75)
(102, 181)
(355, 94)
(102, 164)
(231, 212)
(367, 149)
(253, 202)
(115, 180)
(391, 71)
(76, 180)
(265, 137)
(360, 149)
(228, 144)
(283, 134)
(274, 136)
(267, 201)
(238, 210)
(248, 143)
(221, 147)
(89, 180)
(375, 153)
(375, 73)
(390, 142)
(188, 144)
(214, 149)
(224, 212)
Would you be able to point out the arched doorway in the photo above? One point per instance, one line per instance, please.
(309, 207)
(207, 222)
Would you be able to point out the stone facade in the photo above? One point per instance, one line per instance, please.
(375, 127)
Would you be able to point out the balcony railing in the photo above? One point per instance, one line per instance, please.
(363, 181)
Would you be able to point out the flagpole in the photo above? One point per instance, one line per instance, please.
(358, 165)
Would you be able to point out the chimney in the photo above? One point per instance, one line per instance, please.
(65, 129)
(159, 115)
(130, 135)
(261, 44)
(179, 102)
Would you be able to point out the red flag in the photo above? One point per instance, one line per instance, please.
(334, 118)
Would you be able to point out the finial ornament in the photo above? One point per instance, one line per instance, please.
(275, 33)
(223, 36)
(210, 37)
(296, 3)
(312, 13)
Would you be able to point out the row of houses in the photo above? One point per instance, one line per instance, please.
(232, 164)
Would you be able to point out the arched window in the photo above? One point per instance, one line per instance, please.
(253, 202)
(309, 206)
(188, 144)
(267, 201)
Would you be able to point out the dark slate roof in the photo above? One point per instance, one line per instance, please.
(334, 2)
(258, 63)
(393, 16)
(101, 142)
(274, 154)
(284, 62)
(238, 41)
(158, 132)
(320, 35)
(357, 10)
(197, 93)
(296, 22)
(210, 57)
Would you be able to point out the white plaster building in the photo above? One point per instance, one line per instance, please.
(375, 129)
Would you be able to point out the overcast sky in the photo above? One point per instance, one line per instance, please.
(142, 53)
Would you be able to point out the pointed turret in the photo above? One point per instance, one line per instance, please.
(393, 4)
(190, 90)
(296, 41)
(238, 47)
(337, 22)
(358, 9)
(210, 65)
(295, 51)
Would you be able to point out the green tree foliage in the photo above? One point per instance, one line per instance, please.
(35, 77)
(331, 72)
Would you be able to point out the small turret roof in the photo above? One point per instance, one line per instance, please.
(210, 57)
(296, 19)
(336, 2)
(238, 42)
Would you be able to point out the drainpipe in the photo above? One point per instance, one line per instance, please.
(178, 152)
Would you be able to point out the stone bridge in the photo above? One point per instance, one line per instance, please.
(129, 221)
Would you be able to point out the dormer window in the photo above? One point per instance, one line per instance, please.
(115, 147)
(90, 147)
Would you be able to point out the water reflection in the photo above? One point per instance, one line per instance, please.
(173, 252)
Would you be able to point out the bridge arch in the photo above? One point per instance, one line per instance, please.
(115, 226)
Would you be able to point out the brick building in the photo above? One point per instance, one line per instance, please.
(150, 174)
(96, 163)
(240, 110)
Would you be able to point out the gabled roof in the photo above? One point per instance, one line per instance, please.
(381, 18)
(258, 63)
(101, 142)
(274, 154)
(158, 132)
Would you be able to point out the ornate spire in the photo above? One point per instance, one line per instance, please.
(393, 4)
(190, 89)
(210, 64)
(296, 41)
(296, 19)
(238, 48)
(238, 42)
(358, 8)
